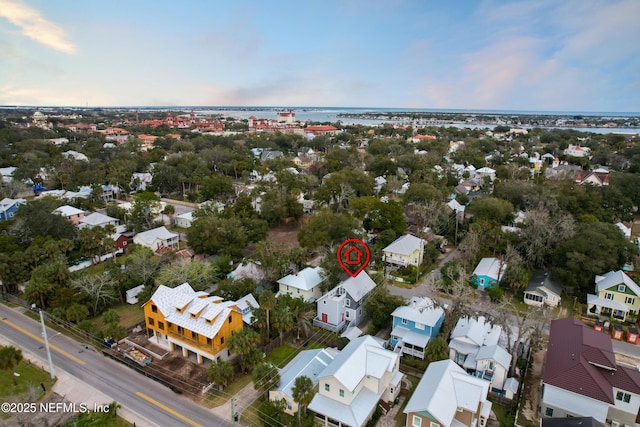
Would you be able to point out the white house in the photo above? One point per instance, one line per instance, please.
(304, 284)
(542, 290)
(343, 304)
(486, 172)
(474, 345)
(184, 220)
(447, 396)
(351, 386)
(156, 239)
(308, 363)
(582, 378)
(96, 219)
(577, 151)
(245, 305)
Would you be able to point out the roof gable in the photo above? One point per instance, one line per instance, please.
(305, 280)
(405, 245)
(614, 278)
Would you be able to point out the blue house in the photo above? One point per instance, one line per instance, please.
(414, 325)
(9, 207)
(488, 273)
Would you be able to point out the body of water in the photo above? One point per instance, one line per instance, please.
(331, 114)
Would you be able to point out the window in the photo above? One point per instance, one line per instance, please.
(154, 308)
(404, 321)
(327, 387)
(347, 302)
(608, 295)
(625, 397)
(416, 421)
(229, 319)
(622, 288)
(629, 300)
(150, 320)
(161, 325)
(419, 326)
(194, 335)
(209, 341)
(221, 340)
(548, 412)
(341, 393)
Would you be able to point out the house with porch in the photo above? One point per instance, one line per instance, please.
(414, 325)
(617, 295)
(157, 239)
(304, 284)
(542, 290)
(582, 378)
(447, 396)
(350, 387)
(308, 363)
(488, 273)
(475, 345)
(343, 305)
(96, 219)
(191, 323)
(406, 250)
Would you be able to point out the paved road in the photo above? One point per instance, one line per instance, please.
(138, 394)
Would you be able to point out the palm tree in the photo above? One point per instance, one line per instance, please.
(267, 301)
(303, 321)
(243, 342)
(77, 312)
(302, 393)
(266, 377)
(220, 372)
(282, 320)
(38, 290)
(169, 210)
(9, 359)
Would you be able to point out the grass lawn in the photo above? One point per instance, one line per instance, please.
(91, 419)
(505, 416)
(280, 356)
(130, 314)
(30, 375)
(218, 398)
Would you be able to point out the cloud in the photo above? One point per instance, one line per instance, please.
(35, 26)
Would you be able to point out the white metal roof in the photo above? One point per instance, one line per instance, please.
(421, 310)
(444, 388)
(405, 245)
(496, 353)
(476, 331)
(204, 316)
(305, 280)
(354, 414)
(358, 286)
(309, 363)
(491, 267)
(150, 236)
(96, 218)
(614, 278)
(362, 356)
(67, 210)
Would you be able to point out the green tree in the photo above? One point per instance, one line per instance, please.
(77, 312)
(214, 234)
(302, 393)
(380, 305)
(220, 372)
(437, 349)
(494, 210)
(266, 377)
(144, 209)
(242, 342)
(10, 357)
(217, 187)
(327, 228)
(267, 301)
(282, 320)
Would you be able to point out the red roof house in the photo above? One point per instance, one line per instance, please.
(582, 378)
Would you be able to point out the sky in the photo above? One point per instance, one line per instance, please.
(540, 55)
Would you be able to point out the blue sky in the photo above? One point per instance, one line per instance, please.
(563, 55)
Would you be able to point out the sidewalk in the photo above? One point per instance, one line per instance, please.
(388, 420)
(243, 399)
(73, 390)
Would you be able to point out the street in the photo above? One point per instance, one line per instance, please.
(138, 394)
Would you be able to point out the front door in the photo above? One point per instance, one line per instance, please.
(324, 317)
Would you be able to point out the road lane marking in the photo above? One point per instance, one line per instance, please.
(169, 410)
(40, 340)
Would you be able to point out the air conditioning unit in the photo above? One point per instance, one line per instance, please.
(615, 424)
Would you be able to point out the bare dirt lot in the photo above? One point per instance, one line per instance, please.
(287, 234)
(530, 407)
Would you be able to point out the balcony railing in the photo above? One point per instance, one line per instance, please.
(329, 327)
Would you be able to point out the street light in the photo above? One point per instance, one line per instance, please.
(46, 344)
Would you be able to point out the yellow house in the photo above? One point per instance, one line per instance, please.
(191, 323)
(404, 251)
(617, 296)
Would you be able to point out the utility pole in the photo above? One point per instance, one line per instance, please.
(234, 415)
(46, 344)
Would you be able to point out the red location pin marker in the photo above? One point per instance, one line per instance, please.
(353, 256)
